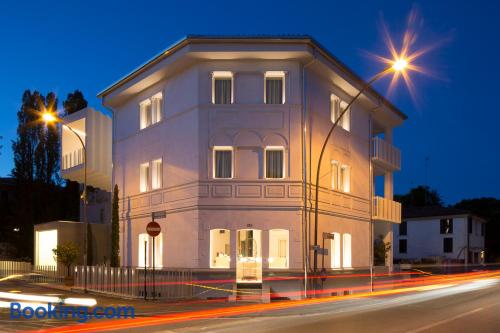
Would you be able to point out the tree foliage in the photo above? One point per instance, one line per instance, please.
(115, 230)
(380, 250)
(66, 254)
(420, 196)
(74, 102)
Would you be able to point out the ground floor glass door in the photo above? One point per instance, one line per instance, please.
(249, 256)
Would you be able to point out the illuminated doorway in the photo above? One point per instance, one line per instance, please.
(249, 263)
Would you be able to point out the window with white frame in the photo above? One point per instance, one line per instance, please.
(347, 259)
(274, 88)
(335, 175)
(144, 177)
(337, 107)
(223, 162)
(335, 250)
(278, 248)
(145, 251)
(345, 179)
(151, 110)
(274, 162)
(156, 174)
(220, 250)
(222, 87)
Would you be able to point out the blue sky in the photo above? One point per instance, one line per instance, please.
(87, 45)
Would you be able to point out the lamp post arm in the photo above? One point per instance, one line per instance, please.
(318, 170)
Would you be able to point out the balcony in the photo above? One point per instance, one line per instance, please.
(386, 210)
(72, 159)
(385, 155)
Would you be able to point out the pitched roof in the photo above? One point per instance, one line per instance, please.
(431, 211)
(247, 38)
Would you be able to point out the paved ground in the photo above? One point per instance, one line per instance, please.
(469, 307)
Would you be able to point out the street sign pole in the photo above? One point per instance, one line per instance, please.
(145, 266)
(153, 229)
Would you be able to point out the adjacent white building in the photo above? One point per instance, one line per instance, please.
(439, 234)
(223, 135)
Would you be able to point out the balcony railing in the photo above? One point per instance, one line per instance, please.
(386, 210)
(72, 159)
(386, 154)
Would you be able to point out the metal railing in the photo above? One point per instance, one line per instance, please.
(129, 281)
(386, 210)
(26, 270)
(386, 154)
(72, 159)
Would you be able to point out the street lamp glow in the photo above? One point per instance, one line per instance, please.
(49, 117)
(400, 64)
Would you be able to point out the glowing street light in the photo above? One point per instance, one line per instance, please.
(400, 64)
(51, 117)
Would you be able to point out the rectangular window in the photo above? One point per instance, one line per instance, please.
(220, 248)
(223, 162)
(403, 228)
(222, 88)
(145, 251)
(345, 179)
(446, 226)
(274, 92)
(337, 107)
(278, 248)
(144, 177)
(402, 246)
(151, 110)
(335, 175)
(447, 245)
(346, 259)
(335, 250)
(274, 162)
(143, 246)
(156, 174)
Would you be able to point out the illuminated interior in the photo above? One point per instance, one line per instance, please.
(220, 248)
(46, 241)
(335, 250)
(278, 248)
(249, 264)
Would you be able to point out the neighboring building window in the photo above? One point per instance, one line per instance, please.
(446, 226)
(145, 247)
(337, 106)
(151, 110)
(483, 226)
(335, 175)
(402, 246)
(335, 250)
(403, 228)
(274, 92)
(274, 162)
(156, 174)
(345, 179)
(278, 248)
(220, 254)
(223, 162)
(346, 260)
(222, 88)
(447, 245)
(144, 177)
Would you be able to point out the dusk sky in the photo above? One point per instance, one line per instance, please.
(88, 45)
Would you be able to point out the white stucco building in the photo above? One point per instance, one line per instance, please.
(223, 134)
(439, 233)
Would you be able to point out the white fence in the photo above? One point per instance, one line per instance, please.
(34, 273)
(167, 284)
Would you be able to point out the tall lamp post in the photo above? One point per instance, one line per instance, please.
(51, 117)
(398, 65)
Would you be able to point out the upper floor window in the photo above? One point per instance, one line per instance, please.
(335, 175)
(156, 174)
(345, 178)
(144, 177)
(274, 166)
(223, 162)
(337, 107)
(222, 88)
(150, 110)
(274, 92)
(446, 226)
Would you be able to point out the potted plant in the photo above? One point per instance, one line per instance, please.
(67, 254)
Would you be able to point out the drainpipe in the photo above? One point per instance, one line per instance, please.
(305, 238)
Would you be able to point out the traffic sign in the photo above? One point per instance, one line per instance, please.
(153, 229)
(159, 215)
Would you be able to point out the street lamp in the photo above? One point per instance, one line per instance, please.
(398, 65)
(51, 117)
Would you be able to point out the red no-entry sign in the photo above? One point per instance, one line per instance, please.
(153, 229)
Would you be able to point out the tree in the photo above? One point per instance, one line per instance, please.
(66, 254)
(380, 250)
(420, 196)
(74, 102)
(115, 230)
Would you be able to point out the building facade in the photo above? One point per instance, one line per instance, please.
(223, 135)
(436, 234)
